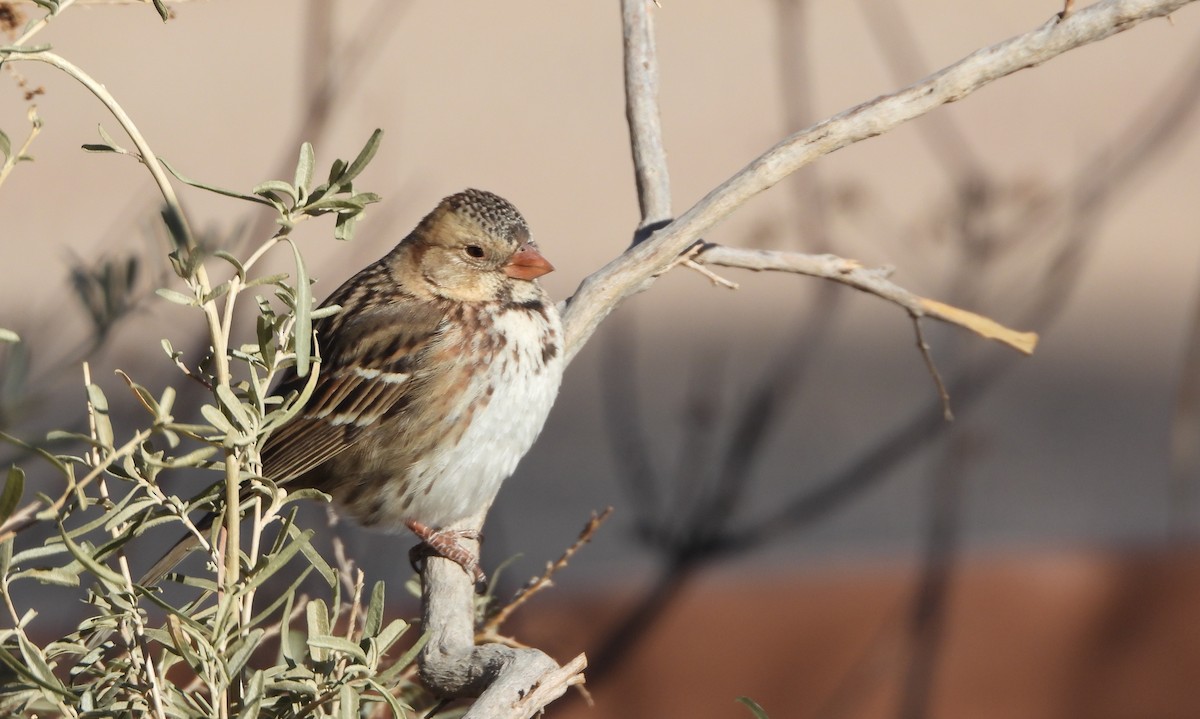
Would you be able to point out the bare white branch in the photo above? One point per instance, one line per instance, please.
(510, 682)
(636, 269)
(641, 112)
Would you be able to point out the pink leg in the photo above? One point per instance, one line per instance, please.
(444, 543)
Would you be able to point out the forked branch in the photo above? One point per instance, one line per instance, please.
(636, 269)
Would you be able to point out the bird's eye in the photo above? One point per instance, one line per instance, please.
(474, 251)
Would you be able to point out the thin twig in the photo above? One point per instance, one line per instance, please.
(491, 628)
(13, 158)
(894, 36)
(923, 346)
(37, 26)
(873, 281)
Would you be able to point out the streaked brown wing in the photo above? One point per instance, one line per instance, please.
(367, 366)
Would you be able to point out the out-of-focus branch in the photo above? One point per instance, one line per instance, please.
(893, 35)
(653, 180)
(927, 623)
(1185, 429)
(636, 269)
(757, 417)
(1094, 187)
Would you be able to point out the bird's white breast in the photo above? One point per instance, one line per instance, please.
(464, 477)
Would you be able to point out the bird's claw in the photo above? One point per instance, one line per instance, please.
(445, 543)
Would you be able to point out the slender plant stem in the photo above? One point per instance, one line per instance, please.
(201, 286)
(11, 161)
(39, 25)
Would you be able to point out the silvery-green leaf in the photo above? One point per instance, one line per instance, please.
(237, 264)
(10, 497)
(364, 157)
(344, 226)
(233, 407)
(328, 573)
(279, 559)
(302, 331)
(373, 620)
(366, 198)
(347, 702)
(104, 430)
(335, 174)
(304, 168)
(243, 650)
(67, 576)
(267, 279)
(275, 186)
(326, 311)
(398, 710)
(318, 625)
(333, 204)
(339, 645)
(177, 297)
(405, 659)
(212, 188)
(392, 632)
(217, 419)
(83, 554)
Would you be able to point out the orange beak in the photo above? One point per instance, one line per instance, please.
(527, 264)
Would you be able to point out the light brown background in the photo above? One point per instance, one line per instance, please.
(525, 99)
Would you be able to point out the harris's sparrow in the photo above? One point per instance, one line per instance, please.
(435, 378)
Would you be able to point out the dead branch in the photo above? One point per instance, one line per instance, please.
(544, 581)
(871, 280)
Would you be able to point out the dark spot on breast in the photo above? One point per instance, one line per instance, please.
(534, 305)
(374, 510)
(408, 500)
(549, 349)
(491, 390)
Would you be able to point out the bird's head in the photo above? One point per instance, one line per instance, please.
(475, 246)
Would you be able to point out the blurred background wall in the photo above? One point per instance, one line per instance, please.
(771, 450)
